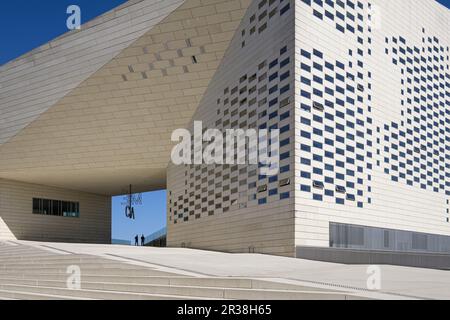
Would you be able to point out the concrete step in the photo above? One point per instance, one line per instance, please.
(19, 295)
(56, 263)
(25, 252)
(43, 255)
(63, 264)
(119, 271)
(28, 253)
(241, 283)
(10, 248)
(64, 260)
(92, 294)
(123, 287)
(245, 294)
(167, 281)
(7, 257)
(52, 259)
(30, 273)
(187, 291)
(88, 261)
(18, 248)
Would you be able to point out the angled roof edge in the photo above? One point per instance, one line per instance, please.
(104, 17)
(36, 81)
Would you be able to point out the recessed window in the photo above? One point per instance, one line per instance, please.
(285, 9)
(56, 208)
(284, 195)
(262, 201)
(262, 188)
(285, 182)
(318, 185)
(318, 106)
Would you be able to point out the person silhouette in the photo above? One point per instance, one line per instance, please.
(136, 240)
(142, 240)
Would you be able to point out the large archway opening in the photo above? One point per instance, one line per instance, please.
(149, 219)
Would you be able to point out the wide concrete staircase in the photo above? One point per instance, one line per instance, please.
(27, 272)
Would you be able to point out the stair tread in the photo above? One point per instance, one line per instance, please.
(124, 293)
(36, 294)
(33, 271)
(217, 288)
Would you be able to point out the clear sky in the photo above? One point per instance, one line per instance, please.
(150, 217)
(445, 3)
(27, 24)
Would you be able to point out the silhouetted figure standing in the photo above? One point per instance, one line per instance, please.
(142, 240)
(136, 240)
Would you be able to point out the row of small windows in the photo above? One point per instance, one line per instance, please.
(249, 104)
(348, 18)
(259, 20)
(283, 196)
(422, 141)
(323, 93)
(56, 208)
(322, 162)
(330, 193)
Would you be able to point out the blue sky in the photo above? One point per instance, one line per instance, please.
(445, 3)
(151, 216)
(27, 24)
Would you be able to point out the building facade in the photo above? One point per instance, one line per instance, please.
(90, 113)
(359, 91)
(380, 69)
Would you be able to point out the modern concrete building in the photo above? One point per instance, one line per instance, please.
(360, 91)
(92, 112)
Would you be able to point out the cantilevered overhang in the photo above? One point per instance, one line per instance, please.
(94, 110)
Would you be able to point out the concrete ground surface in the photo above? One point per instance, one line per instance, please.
(396, 282)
